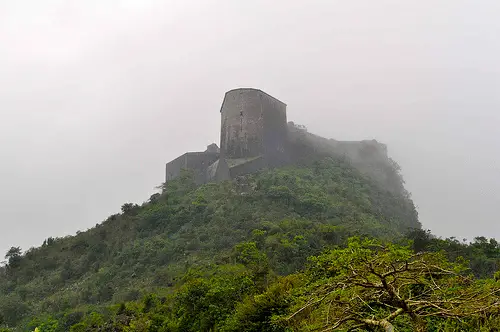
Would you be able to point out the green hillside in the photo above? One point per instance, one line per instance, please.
(221, 257)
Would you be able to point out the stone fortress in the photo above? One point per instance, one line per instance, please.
(255, 135)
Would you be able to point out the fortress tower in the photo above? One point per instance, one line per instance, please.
(253, 124)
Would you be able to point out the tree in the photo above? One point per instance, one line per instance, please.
(12, 309)
(154, 198)
(14, 257)
(372, 285)
(129, 208)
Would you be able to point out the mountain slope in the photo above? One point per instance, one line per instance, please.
(289, 214)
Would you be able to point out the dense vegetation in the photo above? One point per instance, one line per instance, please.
(262, 253)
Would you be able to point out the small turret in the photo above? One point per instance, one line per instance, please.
(213, 148)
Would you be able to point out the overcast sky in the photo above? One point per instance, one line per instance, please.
(96, 95)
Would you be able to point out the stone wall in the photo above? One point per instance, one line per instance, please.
(218, 171)
(275, 131)
(173, 168)
(198, 162)
(368, 156)
(248, 167)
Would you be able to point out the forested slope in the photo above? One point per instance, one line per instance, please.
(197, 258)
(292, 213)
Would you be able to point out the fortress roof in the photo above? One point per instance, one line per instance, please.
(249, 89)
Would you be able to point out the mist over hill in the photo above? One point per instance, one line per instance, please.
(292, 212)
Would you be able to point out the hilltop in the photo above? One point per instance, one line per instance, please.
(255, 135)
(292, 212)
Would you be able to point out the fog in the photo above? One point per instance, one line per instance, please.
(97, 95)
